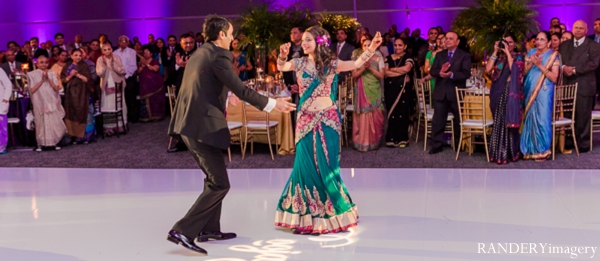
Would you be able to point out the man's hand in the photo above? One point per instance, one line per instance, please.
(445, 67)
(284, 105)
(294, 88)
(445, 74)
(234, 100)
(568, 70)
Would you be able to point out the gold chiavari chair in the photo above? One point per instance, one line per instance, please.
(563, 113)
(473, 119)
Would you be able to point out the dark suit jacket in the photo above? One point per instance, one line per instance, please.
(345, 55)
(288, 77)
(6, 68)
(39, 52)
(175, 75)
(585, 58)
(199, 112)
(593, 37)
(460, 66)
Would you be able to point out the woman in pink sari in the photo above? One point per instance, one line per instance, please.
(152, 91)
(367, 127)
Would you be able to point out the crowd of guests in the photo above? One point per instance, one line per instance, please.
(523, 76)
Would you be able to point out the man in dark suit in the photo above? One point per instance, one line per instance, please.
(176, 70)
(343, 50)
(451, 69)
(580, 57)
(200, 120)
(11, 66)
(289, 78)
(168, 57)
(34, 42)
(596, 38)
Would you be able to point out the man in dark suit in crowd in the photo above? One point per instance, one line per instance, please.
(343, 50)
(34, 42)
(580, 57)
(11, 66)
(200, 120)
(596, 38)
(168, 58)
(176, 70)
(289, 78)
(451, 69)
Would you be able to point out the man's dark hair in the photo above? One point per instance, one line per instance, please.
(597, 19)
(213, 24)
(172, 36)
(59, 34)
(299, 28)
(186, 35)
(34, 38)
(198, 34)
(11, 42)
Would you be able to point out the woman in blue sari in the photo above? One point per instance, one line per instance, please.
(315, 199)
(542, 66)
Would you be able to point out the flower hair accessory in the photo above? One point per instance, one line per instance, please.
(324, 40)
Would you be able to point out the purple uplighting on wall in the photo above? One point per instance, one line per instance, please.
(141, 17)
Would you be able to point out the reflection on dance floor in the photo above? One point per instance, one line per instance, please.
(405, 214)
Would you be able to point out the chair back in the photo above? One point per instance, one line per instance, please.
(253, 114)
(343, 96)
(564, 101)
(471, 104)
(421, 96)
(172, 97)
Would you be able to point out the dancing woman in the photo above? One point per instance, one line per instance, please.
(542, 69)
(315, 199)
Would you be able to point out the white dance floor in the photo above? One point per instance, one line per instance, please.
(405, 214)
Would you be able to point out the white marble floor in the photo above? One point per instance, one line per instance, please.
(406, 214)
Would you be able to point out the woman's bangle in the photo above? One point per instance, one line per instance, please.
(281, 61)
(493, 57)
(366, 55)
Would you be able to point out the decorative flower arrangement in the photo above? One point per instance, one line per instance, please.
(334, 22)
(487, 22)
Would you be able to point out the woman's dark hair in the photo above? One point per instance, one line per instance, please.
(559, 35)
(147, 47)
(323, 55)
(548, 35)
(62, 51)
(231, 44)
(385, 41)
(513, 37)
(213, 24)
(400, 39)
(56, 47)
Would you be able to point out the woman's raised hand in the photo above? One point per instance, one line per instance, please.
(377, 40)
(284, 50)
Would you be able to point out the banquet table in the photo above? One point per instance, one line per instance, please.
(285, 131)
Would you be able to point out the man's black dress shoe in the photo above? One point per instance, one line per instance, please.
(435, 150)
(205, 236)
(180, 239)
(584, 150)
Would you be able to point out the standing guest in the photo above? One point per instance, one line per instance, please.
(55, 52)
(48, 46)
(159, 54)
(530, 44)
(240, 64)
(289, 78)
(542, 67)
(553, 22)
(152, 91)
(431, 45)
(506, 69)
(36, 50)
(451, 69)
(59, 39)
(387, 46)
(78, 41)
(430, 58)
(20, 56)
(399, 99)
(111, 71)
(95, 51)
(555, 29)
(79, 117)
(200, 121)
(566, 36)
(343, 50)
(563, 28)
(47, 109)
(58, 66)
(596, 38)
(580, 61)
(555, 41)
(367, 121)
(176, 72)
(129, 58)
(168, 58)
(6, 92)
(11, 66)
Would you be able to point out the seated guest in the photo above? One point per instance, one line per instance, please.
(79, 110)
(47, 109)
(152, 91)
(367, 127)
(111, 71)
(241, 65)
(5, 92)
(451, 69)
(61, 62)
